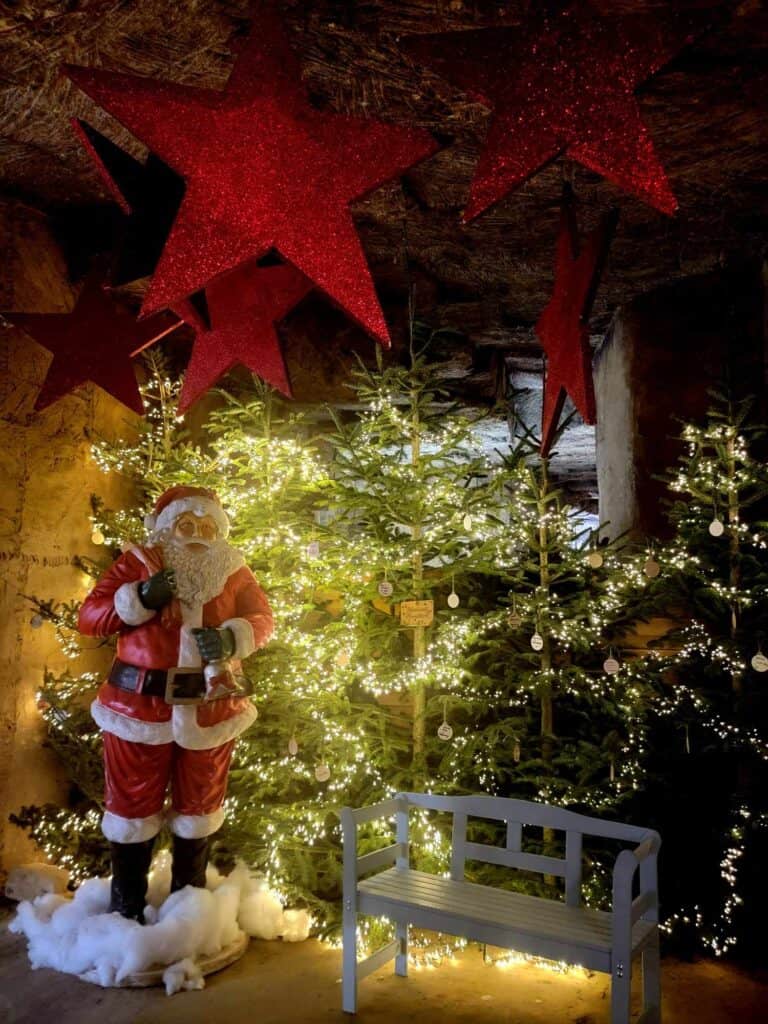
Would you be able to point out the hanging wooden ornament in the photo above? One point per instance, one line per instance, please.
(467, 522)
(322, 772)
(651, 567)
(611, 664)
(293, 746)
(445, 732)
(759, 662)
(385, 588)
(594, 560)
(516, 752)
(97, 537)
(716, 527)
(537, 641)
(313, 549)
(514, 618)
(453, 597)
(613, 770)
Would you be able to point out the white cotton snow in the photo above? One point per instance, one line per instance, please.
(78, 935)
(185, 975)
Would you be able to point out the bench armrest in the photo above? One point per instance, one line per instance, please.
(625, 910)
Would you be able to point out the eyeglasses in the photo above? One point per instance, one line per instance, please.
(189, 525)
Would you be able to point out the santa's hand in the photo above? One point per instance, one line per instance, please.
(215, 644)
(158, 590)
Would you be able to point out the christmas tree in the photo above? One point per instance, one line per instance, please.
(388, 501)
(548, 710)
(711, 728)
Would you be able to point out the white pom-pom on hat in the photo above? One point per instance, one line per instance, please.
(200, 501)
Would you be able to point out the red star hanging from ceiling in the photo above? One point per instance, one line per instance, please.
(563, 327)
(94, 342)
(244, 307)
(563, 84)
(263, 169)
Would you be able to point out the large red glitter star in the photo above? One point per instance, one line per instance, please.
(263, 169)
(563, 84)
(244, 307)
(563, 327)
(94, 342)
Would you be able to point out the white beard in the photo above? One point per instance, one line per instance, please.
(200, 575)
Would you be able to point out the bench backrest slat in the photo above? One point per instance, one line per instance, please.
(528, 813)
(514, 859)
(573, 868)
(458, 846)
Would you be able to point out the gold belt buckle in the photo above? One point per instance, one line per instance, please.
(175, 694)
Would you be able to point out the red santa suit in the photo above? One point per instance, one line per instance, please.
(149, 743)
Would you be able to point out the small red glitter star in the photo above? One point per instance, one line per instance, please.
(563, 327)
(563, 84)
(94, 342)
(244, 307)
(264, 170)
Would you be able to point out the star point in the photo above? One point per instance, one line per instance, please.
(563, 327)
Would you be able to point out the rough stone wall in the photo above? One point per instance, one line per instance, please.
(46, 479)
(664, 355)
(615, 436)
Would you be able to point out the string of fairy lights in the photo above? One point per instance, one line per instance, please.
(408, 486)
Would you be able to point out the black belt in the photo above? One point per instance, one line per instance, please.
(153, 682)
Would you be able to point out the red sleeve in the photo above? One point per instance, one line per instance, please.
(252, 605)
(97, 613)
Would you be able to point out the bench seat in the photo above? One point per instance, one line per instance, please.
(495, 916)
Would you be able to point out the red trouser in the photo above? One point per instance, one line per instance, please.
(136, 777)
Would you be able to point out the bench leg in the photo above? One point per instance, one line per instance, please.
(652, 980)
(621, 991)
(349, 962)
(401, 960)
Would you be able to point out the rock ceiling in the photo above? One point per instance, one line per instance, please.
(706, 111)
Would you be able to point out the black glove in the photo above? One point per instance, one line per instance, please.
(158, 590)
(215, 644)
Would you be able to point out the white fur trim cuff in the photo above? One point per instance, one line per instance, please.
(129, 607)
(133, 729)
(192, 736)
(197, 506)
(195, 826)
(243, 631)
(130, 830)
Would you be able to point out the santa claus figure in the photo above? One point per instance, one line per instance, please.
(186, 609)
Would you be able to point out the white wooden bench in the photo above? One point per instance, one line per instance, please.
(598, 940)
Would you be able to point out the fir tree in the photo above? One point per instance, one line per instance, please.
(389, 497)
(550, 712)
(712, 731)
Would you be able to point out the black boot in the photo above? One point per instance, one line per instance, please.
(190, 859)
(130, 866)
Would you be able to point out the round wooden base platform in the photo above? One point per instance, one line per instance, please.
(207, 964)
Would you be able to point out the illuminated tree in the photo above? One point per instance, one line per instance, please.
(712, 732)
(401, 494)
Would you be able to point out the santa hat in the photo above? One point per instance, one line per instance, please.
(198, 500)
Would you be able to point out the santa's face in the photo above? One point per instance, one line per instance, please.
(195, 533)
